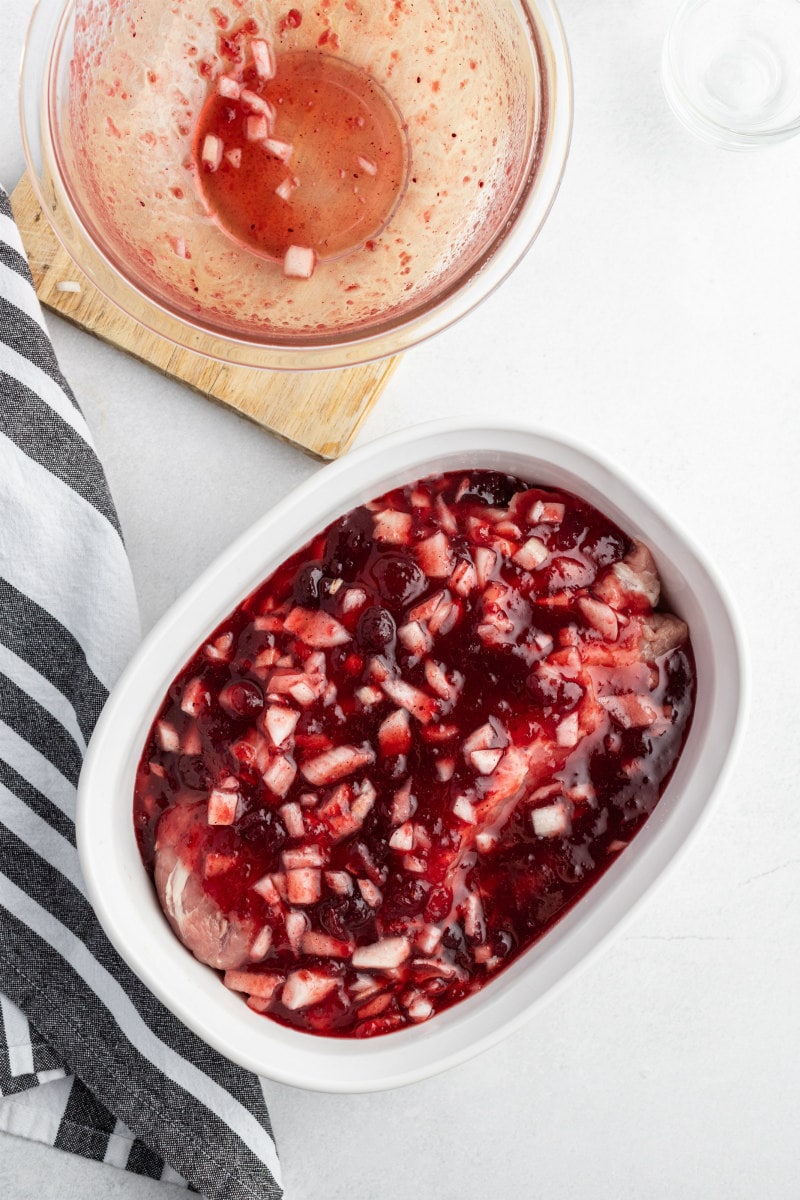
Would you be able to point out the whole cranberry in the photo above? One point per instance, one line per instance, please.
(241, 698)
(493, 489)
(307, 587)
(398, 579)
(345, 916)
(605, 546)
(376, 628)
(194, 772)
(264, 833)
(349, 543)
(406, 896)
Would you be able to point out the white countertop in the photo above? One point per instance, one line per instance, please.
(657, 318)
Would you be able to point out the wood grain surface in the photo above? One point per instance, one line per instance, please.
(319, 411)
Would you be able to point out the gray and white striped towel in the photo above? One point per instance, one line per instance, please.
(90, 1061)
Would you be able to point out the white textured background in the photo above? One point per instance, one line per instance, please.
(657, 318)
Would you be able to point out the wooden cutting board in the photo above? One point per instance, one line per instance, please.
(320, 411)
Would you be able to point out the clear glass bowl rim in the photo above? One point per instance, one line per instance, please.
(693, 118)
(326, 351)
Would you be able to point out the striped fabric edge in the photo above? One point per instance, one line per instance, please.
(51, 651)
(25, 1059)
(72, 1119)
(167, 1099)
(48, 531)
(33, 723)
(106, 1045)
(63, 1114)
(24, 415)
(41, 349)
(64, 918)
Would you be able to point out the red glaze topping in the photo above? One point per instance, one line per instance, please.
(411, 750)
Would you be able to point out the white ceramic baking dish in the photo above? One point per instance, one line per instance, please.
(122, 892)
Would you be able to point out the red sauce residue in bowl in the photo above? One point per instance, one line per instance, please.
(411, 750)
(314, 156)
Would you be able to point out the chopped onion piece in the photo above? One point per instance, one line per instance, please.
(222, 807)
(552, 821)
(256, 129)
(485, 761)
(279, 149)
(304, 885)
(332, 765)
(365, 797)
(383, 955)
(299, 262)
(259, 984)
(420, 1009)
(393, 527)
(263, 58)
(415, 637)
(531, 554)
(485, 561)
(167, 737)
(293, 819)
(304, 988)
(311, 855)
(367, 165)
(266, 889)
(322, 944)
(296, 925)
(212, 151)
(403, 804)
(259, 105)
(485, 841)
(261, 946)
(289, 185)
(279, 775)
(435, 556)
(370, 893)
(428, 939)
(394, 734)
(403, 837)
(464, 809)
(445, 769)
(228, 87)
(280, 722)
(474, 923)
(339, 882)
(568, 731)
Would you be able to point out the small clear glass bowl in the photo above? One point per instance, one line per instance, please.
(110, 96)
(731, 71)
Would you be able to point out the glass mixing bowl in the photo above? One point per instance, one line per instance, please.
(112, 91)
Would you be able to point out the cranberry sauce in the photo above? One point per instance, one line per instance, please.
(411, 750)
